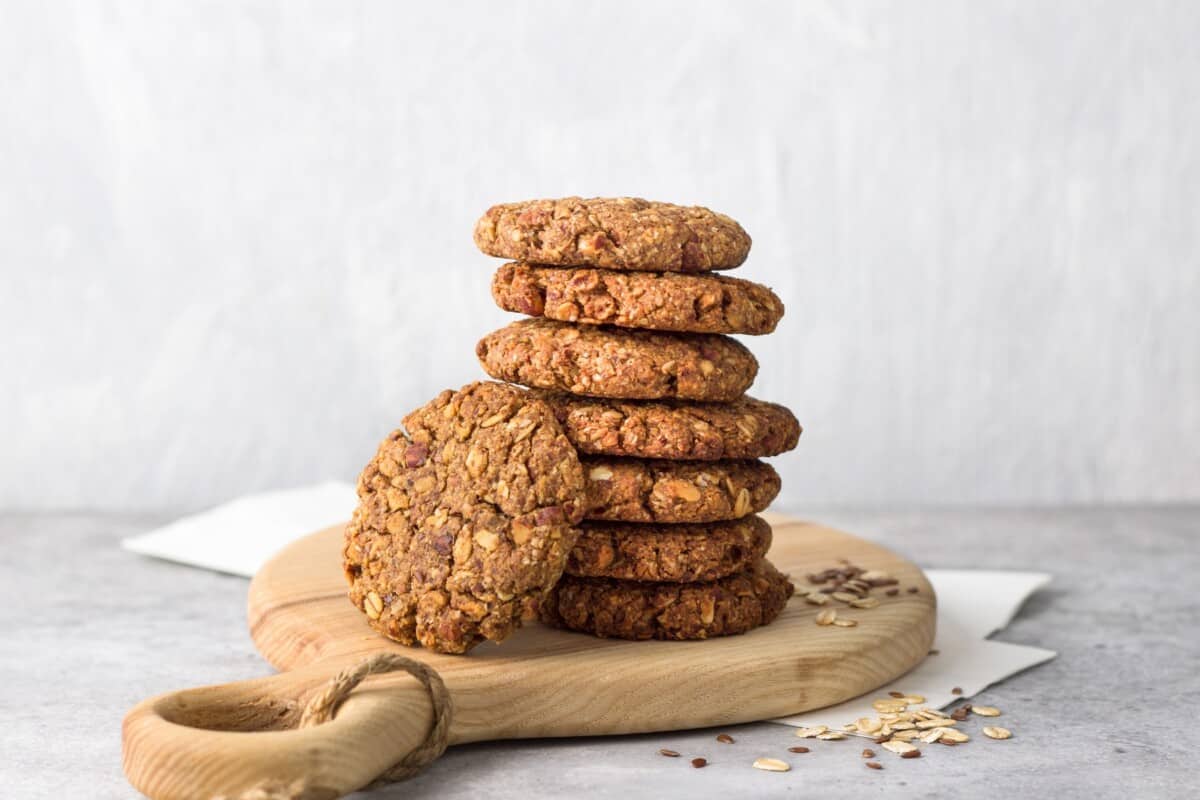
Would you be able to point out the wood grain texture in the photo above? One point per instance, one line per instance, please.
(541, 682)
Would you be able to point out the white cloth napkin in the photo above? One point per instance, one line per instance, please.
(241, 535)
(238, 537)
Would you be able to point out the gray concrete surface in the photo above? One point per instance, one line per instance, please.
(87, 630)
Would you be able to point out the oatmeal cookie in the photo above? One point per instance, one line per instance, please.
(661, 301)
(610, 362)
(639, 490)
(631, 610)
(743, 428)
(614, 233)
(465, 517)
(672, 553)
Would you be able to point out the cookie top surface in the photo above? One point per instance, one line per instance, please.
(663, 301)
(675, 553)
(465, 515)
(613, 232)
(618, 363)
(632, 610)
(672, 429)
(642, 490)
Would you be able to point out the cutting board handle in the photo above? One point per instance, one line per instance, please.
(241, 741)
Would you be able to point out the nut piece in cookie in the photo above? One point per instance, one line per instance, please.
(638, 490)
(624, 364)
(661, 301)
(672, 429)
(613, 233)
(630, 610)
(465, 518)
(675, 553)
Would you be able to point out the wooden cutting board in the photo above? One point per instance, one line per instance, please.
(541, 682)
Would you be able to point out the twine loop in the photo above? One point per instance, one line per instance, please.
(324, 706)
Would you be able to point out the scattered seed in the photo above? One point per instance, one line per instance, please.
(844, 597)
(927, 724)
(831, 736)
(811, 733)
(817, 599)
(912, 699)
(985, 711)
(956, 690)
(771, 764)
(827, 616)
(888, 706)
(934, 652)
(699, 762)
(725, 738)
(797, 749)
(897, 695)
(929, 737)
(874, 765)
(869, 725)
(898, 747)
(892, 593)
(868, 753)
(953, 735)
(913, 590)
(842, 622)
(864, 602)
(997, 733)
(668, 753)
(947, 742)
(914, 753)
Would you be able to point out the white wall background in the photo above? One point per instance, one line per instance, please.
(235, 237)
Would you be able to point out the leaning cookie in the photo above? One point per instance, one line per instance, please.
(613, 233)
(610, 362)
(466, 517)
(673, 553)
(631, 610)
(639, 490)
(672, 429)
(661, 301)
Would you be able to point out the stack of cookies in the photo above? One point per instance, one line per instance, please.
(628, 344)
